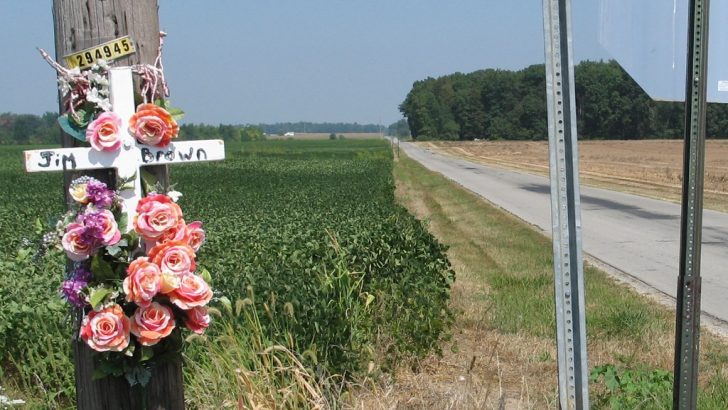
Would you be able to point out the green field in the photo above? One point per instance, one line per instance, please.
(305, 239)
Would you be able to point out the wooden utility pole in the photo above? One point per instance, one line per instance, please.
(80, 24)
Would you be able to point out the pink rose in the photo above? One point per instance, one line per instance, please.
(174, 257)
(156, 214)
(106, 330)
(76, 246)
(192, 292)
(110, 229)
(153, 125)
(196, 235)
(152, 323)
(197, 319)
(143, 282)
(103, 132)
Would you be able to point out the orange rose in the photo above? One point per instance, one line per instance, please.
(153, 125)
(192, 292)
(174, 257)
(152, 323)
(142, 282)
(176, 233)
(106, 330)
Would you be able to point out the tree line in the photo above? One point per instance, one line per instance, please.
(25, 129)
(501, 104)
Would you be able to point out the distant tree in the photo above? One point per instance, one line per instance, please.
(502, 104)
(332, 136)
(399, 129)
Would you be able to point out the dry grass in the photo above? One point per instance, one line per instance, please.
(646, 167)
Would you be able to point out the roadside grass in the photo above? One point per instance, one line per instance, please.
(503, 349)
(238, 366)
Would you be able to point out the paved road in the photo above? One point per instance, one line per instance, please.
(635, 235)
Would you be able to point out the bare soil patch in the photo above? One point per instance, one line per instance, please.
(650, 168)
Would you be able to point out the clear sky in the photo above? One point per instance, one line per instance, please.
(259, 61)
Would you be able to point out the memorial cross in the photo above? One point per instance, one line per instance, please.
(131, 156)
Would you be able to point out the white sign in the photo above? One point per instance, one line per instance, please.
(131, 155)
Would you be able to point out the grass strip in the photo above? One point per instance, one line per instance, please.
(504, 284)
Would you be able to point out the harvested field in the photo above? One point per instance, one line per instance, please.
(646, 167)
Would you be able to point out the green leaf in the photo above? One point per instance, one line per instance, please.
(146, 353)
(138, 375)
(101, 269)
(161, 102)
(22, 254)
(205, 274)
(226, 303)
(114, 249)
(97, 297)
(176, 113)
(99, 373)
(122, 223)
(38, 225)
(71, 129)
(149, 181)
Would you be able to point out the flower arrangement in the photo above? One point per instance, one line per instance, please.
(89, 117)
(132, 307)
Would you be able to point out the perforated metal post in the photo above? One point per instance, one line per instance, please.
(687, 333)
(565, 207)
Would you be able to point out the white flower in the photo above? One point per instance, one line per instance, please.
(94, 77)
(174, 195)
(102, 64)
(94, 97)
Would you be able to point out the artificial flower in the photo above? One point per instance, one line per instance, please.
(152, 323)
(103, 132)
(142, 282)
(156, 213)
(192, 292)
(106, 330)
(197, 319)
(196, 235)
(153, 125)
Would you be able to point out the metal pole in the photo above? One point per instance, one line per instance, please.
(687, 317)
(565, 207)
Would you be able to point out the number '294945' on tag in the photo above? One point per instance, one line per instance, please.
(108, 51)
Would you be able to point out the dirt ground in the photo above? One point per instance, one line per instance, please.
(647, 167)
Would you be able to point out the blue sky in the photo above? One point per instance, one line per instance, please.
(314, 60)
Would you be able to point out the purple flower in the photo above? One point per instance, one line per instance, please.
(82, 273)
(72, 289)
(99, 194)
(100, 227)
(93, 230)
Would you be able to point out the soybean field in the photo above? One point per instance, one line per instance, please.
(304, 235)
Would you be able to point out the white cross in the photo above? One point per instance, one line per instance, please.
(130, 156)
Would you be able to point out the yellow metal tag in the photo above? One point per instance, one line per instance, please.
(108, 51)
